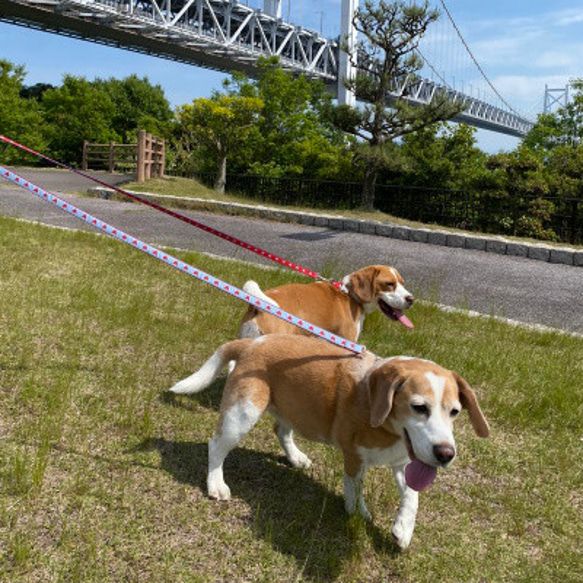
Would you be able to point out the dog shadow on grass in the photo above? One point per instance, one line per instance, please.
(292, 511)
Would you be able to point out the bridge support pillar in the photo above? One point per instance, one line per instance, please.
(555, 97)
(272, 7)
(346, 68)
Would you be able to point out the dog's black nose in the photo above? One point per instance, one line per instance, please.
(410, 299)
(443, 453)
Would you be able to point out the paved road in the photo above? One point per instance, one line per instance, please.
(512, 287)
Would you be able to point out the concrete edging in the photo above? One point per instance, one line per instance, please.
(442, 237)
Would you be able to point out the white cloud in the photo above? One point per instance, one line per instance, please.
(569, 17)
(567, 58)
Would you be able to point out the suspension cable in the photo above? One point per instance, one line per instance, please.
(475, 60)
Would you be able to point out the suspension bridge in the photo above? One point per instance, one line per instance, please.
(231, 35)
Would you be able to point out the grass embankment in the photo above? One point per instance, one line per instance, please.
(102, 475)
(190, 188)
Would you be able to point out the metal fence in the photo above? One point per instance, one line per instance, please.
(464, 209)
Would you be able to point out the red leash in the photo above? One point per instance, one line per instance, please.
(176, 263)
(179, 216)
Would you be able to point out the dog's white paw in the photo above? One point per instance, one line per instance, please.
(364, 511)
(402, 532)
(219, 490)
(300, 460)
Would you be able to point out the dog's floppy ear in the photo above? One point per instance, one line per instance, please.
(383, 383)
(470, 402)
(361, 284)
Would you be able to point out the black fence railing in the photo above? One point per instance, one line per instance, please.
(464, 209)
(485, 212)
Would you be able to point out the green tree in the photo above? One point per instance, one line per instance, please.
(571, 116)
(293, 136)
(547, 133)
(138, 105)
(20, 119)
(390, 33)
(77, 110)
(443, 156)
(220, 124)
(563, 127)
(564, 171)
(35, 91)
(516, 186)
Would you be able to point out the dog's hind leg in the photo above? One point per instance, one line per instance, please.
(235, 423)
(296, 457)
(404, 524)
(248, 329)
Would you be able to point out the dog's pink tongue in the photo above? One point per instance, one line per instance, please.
(419, 476)
(403, 319)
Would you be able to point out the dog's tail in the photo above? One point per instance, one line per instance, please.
(252, 287)
(210, 370)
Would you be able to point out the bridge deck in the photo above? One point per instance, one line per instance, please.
(224, 35)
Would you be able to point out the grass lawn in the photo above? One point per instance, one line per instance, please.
(102, 474)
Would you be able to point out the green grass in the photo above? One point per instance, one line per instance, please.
(175, 186)
(102, 474)
(189, 188)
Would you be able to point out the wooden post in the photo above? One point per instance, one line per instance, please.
(162, 158)
(156, 157)
(84, 162)
(111, 157)
(148, 157)
(141, 174)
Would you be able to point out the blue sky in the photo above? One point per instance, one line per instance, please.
(521, 44)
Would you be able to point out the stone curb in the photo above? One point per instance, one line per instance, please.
(489, 244)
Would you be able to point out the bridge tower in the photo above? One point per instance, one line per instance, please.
(346, 68)
(558, 96)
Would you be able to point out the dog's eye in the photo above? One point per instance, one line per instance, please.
(454, 412)
(421, 409)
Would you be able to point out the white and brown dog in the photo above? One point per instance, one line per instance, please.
(340, 311)
(396, 411)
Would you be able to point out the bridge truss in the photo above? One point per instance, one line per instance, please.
(219, 34)
(227, 35)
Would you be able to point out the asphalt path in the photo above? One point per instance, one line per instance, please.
(511, 287)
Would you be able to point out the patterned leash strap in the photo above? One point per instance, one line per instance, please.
(179, 216)
(178, 264)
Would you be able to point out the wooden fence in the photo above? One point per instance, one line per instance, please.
(147, 158)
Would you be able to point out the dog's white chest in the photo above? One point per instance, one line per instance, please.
(391, 456)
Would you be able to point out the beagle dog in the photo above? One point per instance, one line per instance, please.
(397, 412)
(340, 311)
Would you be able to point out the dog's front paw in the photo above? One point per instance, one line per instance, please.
(300, 460)
(402, 532)
(219, 491)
